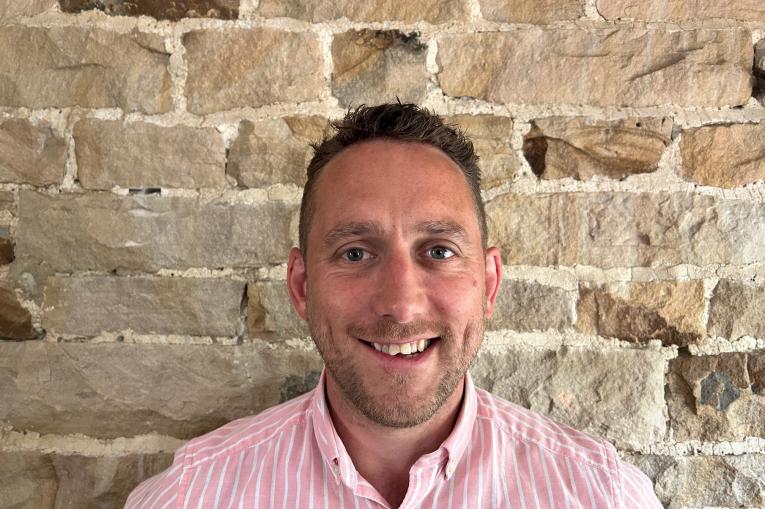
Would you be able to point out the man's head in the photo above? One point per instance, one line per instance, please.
(393, 257)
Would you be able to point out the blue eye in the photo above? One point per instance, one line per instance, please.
(354, 254)
(440, 252)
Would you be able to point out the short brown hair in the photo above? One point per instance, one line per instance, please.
(406, 123)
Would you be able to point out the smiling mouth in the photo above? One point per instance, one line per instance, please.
(405, 350)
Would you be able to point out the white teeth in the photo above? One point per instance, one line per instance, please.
(404, 349)
(421, 345)
(377, 346)
(394, 349)
(384, 348)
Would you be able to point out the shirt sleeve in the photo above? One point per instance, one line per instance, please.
(637, 489)
(160, 491)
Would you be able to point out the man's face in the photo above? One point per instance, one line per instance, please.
(394, 261)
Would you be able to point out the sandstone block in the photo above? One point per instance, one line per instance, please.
(88, 306)
(599, 66)
(274, 151)
(582, 148)
(88, 67)
(737, 310)
(10, 10)
(119, 389)
(527, 306)
(15, 321)
(680, 10)
(617, 394)
(159, 9)
(712, 481)
(724, 156)
(372, 66)
(31, 154)
(269, 310)
(102, 231)
(759, 68)
(223, 73)
(626, 229)
(140, 154)
(671, 311)
(491, 137)
(530, 11)
(27, 480)
(430, 11)
(715, 397)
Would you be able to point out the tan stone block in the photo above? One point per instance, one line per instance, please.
(681, 10)
(270, 311)
(705, 481)
(531, 11)
(274, 151)
(670, 311)
(88, 306)
(618, 395)
(373, 66)
(103, 231)
(10, 9)
(31, 154)
(724, 156)
(492, 141)
(65, 66)
(737, 310)
(240, 68)
(160, 9)
(713, 397)
(582, 148)
(626, 229)
(528, 306)
(599, 66)
(27, 480)
(430, 11)
(111, 390)
(140, 154)
(15, 321)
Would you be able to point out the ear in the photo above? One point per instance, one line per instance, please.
(493, 278)
(296, 282)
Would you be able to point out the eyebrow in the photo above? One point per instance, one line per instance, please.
(362, 228)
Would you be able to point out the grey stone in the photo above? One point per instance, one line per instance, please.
(269, 311)
(31, 154)
(618, 395)
(140, 154)
(527, 306)
(10, 9)
(430, 11)
(160, 9)
(27, 481)
(111, 390)
(613, 66)
(102, 231)
(737, 310)
(63, 66)
(90, 305)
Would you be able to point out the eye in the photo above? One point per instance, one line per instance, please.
(354, 254)
(440, 252)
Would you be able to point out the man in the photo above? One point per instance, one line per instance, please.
(395, 280)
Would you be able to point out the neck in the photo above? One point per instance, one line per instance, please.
(384, 455)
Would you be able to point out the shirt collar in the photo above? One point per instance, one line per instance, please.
(337, 459)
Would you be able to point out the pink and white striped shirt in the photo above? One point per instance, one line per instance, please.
(498, 455)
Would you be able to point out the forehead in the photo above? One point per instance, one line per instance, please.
(396, 184)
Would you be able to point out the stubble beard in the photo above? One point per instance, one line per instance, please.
(398, 409)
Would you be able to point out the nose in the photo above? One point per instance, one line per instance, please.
(401, 293)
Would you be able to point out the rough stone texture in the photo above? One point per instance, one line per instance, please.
(581, 148)
(140, 154)
(31, 154)
(48, 481)
(88, 306)
(15, 321)
(160, 9)
(491, 137)
(372, 66)
(680, 10)
(736, 310)
(531, 11)
(724, 156)
(88, 67)
(599, 66)
(715, 397)
(717, 481)
(10, 9)
(7, 213)
(759, 69)
(112, 389)
(237, 68)
(269, 310)
(626, 229)
(527, 306)
(275, 151)
(102, 231)
(430, 11)
(671, 311)
(571, 387)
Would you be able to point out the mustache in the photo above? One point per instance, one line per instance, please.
(391, 330)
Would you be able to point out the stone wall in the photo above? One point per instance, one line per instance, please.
(151, 163)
